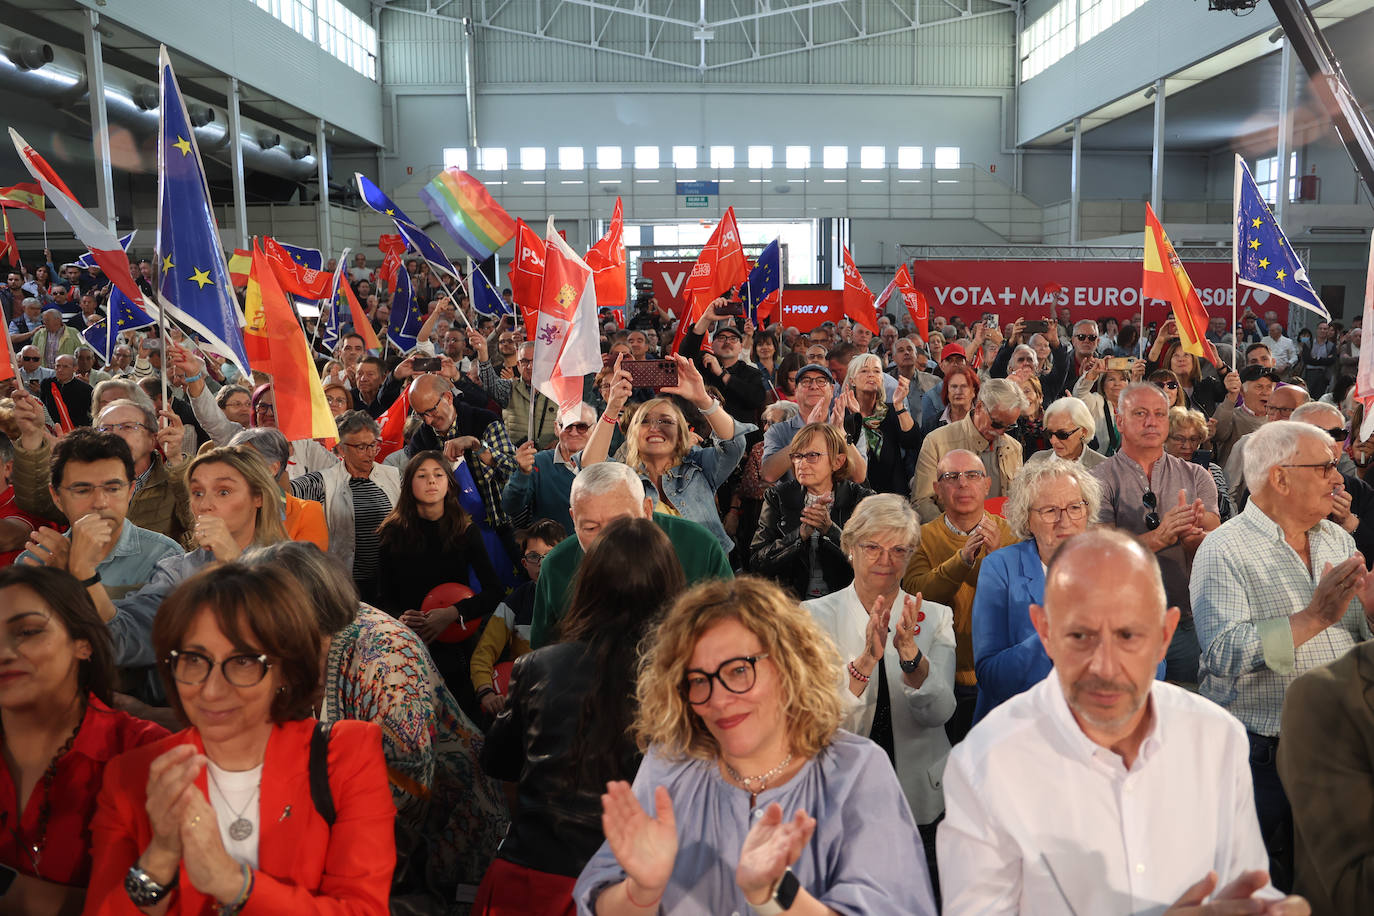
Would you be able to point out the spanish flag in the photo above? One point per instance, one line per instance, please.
(1165, 279)
(302, 411)
(26, 196)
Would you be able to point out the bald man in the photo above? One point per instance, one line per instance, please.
(1162, 811)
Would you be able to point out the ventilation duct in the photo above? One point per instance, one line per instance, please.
(146, 97)
(267, 138)
(28, 53)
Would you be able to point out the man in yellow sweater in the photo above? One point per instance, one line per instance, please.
(945, 566)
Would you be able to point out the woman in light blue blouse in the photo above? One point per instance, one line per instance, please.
(750, 798)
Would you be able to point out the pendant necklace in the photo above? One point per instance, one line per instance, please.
(748, 782)
(241, 828)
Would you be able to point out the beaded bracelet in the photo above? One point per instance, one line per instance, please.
(233, 909)
(856, 675)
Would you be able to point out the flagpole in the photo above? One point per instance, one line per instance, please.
(454, 299)
(1235, 267)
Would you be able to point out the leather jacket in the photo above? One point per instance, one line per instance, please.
(556, 824)
(779, 552)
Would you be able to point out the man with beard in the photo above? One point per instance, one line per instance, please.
(1102, 732)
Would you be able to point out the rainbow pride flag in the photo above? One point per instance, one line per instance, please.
(476, 221)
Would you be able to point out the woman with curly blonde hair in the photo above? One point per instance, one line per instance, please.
(739, 718)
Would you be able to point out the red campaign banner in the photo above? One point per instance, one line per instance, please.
(1089, 289)
(802, 308)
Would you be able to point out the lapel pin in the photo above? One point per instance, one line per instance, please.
(285, 813)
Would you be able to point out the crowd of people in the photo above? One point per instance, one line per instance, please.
(1054, 617)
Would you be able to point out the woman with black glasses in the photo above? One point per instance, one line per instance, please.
(750, 797)
(1069, 426)
(222, 816)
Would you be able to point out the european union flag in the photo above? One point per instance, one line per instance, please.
(485, 300)
(122, 315)
(193, 276)
(375, 198)
(406, 319)
(337, 305)
(87, 260)
(1263, 258)
(311, 258)
(763, 281)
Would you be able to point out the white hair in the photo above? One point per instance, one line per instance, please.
(878, 515)
(1312, 407)
(603, 478)
(1084, 321)
(858, 362)
(1028, 481)
(1029, 351)
(1273, 444)
(1077, 412)
(1002, 394)
(781, 411)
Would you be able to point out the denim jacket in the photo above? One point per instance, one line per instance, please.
(691, 484)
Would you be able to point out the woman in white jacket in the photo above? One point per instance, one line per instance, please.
(897, 684)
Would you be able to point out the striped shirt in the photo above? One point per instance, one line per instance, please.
(1246, 583)
(370, 507)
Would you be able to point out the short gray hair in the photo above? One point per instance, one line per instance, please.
(782, 411)
(356, 421)
(858, 362)
(269, 442)
(322, 577)
(1029, 351)
(149, 415)
(1032, 476)
(1311, 407)
(128, 388)
(27, 300)
(1082, 321)
(228, 391)
(877, 514)
(1133, 387)
(1002, 394)
(1077, 411)
(605, 477)
(1273, 444)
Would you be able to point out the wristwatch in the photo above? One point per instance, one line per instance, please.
(143, 890)
(783, 896)
(909, 667)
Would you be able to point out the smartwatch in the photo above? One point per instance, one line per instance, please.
(784, 894)
(909, 667)
(143, 890)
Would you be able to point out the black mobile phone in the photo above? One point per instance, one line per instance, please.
(651, 373)
(427, 364)
(1038, 326)
(732, 308)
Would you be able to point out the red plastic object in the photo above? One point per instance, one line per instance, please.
(997, 505)
(500, 677)
(445, 595)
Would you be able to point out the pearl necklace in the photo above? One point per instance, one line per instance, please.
(763, 781)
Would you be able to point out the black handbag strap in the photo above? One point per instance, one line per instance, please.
(320, 793)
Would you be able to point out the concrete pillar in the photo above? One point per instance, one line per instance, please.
(1157, 153)
(235, 129)
(100, 122)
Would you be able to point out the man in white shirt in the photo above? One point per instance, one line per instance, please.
(1102, 790)
(1284, 350)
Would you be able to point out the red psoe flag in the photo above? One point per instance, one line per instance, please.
(302, 411)
(566, 341)
(10, 248)
(527, 274)
(858, 298)
(607, 260)
(393, 424)
(294, 278)
(1165, 279)
(392, 247)
(720, 267)
(914, 300)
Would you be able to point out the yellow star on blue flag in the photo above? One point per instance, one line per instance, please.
(764, 280)
(184, 145)
(1257, 231)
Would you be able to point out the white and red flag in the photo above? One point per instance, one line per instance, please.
(857, 297)
(103, 244)
(566, 340)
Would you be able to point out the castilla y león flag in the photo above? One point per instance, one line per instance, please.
(1166, 279)
(566, 339)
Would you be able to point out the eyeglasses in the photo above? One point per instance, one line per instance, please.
(1338, 434)
(429, 411)
(1186, 440)
(813, 383)
(996, 424)
(660, 422)
(532, 558)
(337, 402)
(1151, 503)
(1050, 515)
(122, 427)
(1085, 337)
(266, 408)
(238, 670)
(954, 476)
(736, 675)
(874, 552)
(30, 359)
(86, 490)
(1171, 385)
(807, 457)
(1326, 466)
(1063, 435)
(1279, 411)
(525, 362)
(363, 447)
(577, 427)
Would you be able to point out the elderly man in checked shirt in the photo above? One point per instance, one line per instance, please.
(1277, 590)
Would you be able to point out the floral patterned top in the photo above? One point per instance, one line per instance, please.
(380, 671)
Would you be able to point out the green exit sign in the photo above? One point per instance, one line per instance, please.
(698, 200)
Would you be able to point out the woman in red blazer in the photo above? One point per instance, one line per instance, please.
(220, 818)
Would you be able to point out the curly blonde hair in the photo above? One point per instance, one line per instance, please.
(681, 446)
(804, 656)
